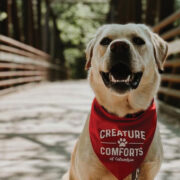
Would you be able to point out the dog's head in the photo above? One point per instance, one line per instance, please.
(124, 56)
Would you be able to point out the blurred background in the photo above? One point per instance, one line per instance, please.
(43, 97)
(62, 28)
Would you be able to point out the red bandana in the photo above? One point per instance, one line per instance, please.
(121, 144)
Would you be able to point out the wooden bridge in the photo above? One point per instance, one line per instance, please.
(40, 125)
(41, 120)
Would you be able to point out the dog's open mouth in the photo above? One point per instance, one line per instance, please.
(121, 79)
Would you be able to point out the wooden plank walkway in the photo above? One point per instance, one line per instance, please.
(39, 127)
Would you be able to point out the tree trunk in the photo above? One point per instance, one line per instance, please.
(9, 18)
(113, 15)
(151, 12)
(28, 22)
(134, 11)
(59, 48)
(166, 8)
(138, 11)
(125, 11)
(46, 28)
(31, 31)
(4, 23)
(25, 24)
(15, 21)
(39, 35)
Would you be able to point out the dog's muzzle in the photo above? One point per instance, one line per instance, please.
(120, 76)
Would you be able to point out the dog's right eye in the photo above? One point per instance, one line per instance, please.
(105, 41)
(138, 41)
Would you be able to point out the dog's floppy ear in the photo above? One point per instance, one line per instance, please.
(89, 53)
(160, 50)
(90, 46)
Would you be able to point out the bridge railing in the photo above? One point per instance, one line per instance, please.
(170, 86)
(21, 64)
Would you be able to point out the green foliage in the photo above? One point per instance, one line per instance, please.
(77, 23)
(177, 4)
(76, 62)
(177, 8)
(3, 15)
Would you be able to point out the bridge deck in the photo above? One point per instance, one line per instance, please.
(39, 127)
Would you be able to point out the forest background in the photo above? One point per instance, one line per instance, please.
(62, 28)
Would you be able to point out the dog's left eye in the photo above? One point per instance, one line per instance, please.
(138, 41)
(105, 41)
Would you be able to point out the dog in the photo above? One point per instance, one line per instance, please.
(124, 63)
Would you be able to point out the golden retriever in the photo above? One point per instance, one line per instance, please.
(124, 62)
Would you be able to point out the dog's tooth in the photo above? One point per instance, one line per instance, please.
(128, 79)
(113, 79)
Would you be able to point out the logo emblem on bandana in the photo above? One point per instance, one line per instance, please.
(121, 143)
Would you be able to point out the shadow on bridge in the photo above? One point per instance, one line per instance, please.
(38, 134)
(39, 129)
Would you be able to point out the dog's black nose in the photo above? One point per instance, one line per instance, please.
(119, 47)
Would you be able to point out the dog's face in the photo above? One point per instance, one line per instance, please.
(124, 56)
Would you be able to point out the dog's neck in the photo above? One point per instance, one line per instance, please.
(119, 106)
(122, 106)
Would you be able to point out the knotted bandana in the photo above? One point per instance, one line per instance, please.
(121, 144)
